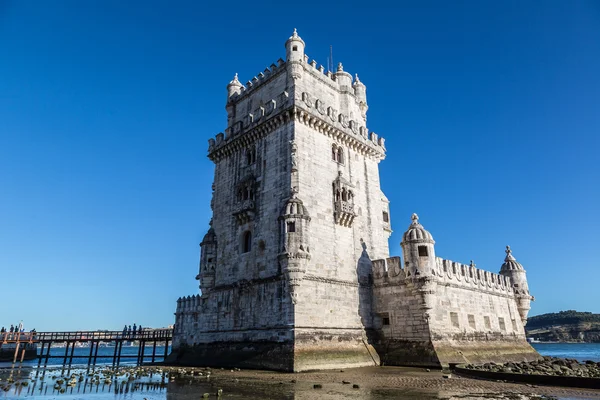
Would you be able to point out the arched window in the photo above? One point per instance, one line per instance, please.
(344, 195)
(334, 153)
(246, 242)
(251, 155)
(340, 155)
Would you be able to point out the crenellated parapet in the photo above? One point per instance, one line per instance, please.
(188, 304)
(262, 78)
(469, 277)
(326, 119)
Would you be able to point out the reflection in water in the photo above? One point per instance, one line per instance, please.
(171, 383)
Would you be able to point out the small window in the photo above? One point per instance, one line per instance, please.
(333, 153)
(246, 242)
(386, 320)
(340, 155)
(454, 320)
(251, 156)
(210, 260)
(386, 217)
(501, 323)
(291, 227)
(295, 48)
(471, 318)
(423, 251)
(486, 321)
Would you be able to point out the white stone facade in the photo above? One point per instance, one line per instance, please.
(287, 274)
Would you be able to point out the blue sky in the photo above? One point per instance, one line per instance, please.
(490, 110)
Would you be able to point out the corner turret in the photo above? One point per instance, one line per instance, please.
(208, 260)
(418, 250)
(294, 48)
(295, 251)
(360, 91)
(343, 78)
(515, 271)
(234, 87)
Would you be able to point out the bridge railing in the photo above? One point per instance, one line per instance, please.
(86, 336)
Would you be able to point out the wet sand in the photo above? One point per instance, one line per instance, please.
(407, 380)
(174, 383)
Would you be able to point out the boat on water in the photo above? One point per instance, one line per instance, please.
(7, 351)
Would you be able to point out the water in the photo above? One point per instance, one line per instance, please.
(129, 382)
(578, 351)
(105, 354)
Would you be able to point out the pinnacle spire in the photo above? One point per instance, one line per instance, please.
(509, 256)
(415, 218)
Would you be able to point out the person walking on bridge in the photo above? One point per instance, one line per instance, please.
(125, 331)
(134, 329)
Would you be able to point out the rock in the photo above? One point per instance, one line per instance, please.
(345, 382)
(427, 370)
(447, 376)
(317, 386)
(355, 386)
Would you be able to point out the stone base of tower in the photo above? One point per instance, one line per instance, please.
(479, 351)
(277, 356)
(441, 354)
(407, 353)
(316, 349)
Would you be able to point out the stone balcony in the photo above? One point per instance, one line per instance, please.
(344, 213)
(244, 211)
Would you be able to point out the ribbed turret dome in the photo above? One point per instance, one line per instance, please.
(295, 37)
(294, 206)
(416, 232)
(210, 237)
(510, 264)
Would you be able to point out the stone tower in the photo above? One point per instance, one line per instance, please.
(298, 215)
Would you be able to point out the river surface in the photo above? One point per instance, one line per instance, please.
(128, 382)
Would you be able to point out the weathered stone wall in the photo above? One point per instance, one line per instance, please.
(464, 315)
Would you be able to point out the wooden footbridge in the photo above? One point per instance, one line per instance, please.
(93, 339)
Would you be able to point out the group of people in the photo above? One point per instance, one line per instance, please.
(128, 331)
(15, 329)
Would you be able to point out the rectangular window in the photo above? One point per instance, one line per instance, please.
(291, 227)
(386, 217)
(423, 251)
(501, 323)
(454, 320)
(486, 321)
(386, 320)
(471, 318)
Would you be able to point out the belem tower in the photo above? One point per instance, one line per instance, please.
(295, 272)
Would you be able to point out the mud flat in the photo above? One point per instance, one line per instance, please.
(172, 383)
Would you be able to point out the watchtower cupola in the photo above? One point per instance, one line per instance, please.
(418, 249)
(294, 48)
(515, 271)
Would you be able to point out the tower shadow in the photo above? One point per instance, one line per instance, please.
(365, 288)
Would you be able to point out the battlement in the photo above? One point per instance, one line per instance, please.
(187, 304)
(390, 270)
(258, 80)
(472, 277)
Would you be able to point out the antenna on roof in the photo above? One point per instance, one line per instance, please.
(330, 66)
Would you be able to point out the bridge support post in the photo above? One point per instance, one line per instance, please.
(91, 351)
(17, 345)
(72, 351)
(96, 352)
(66, 353)
(154, 350)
